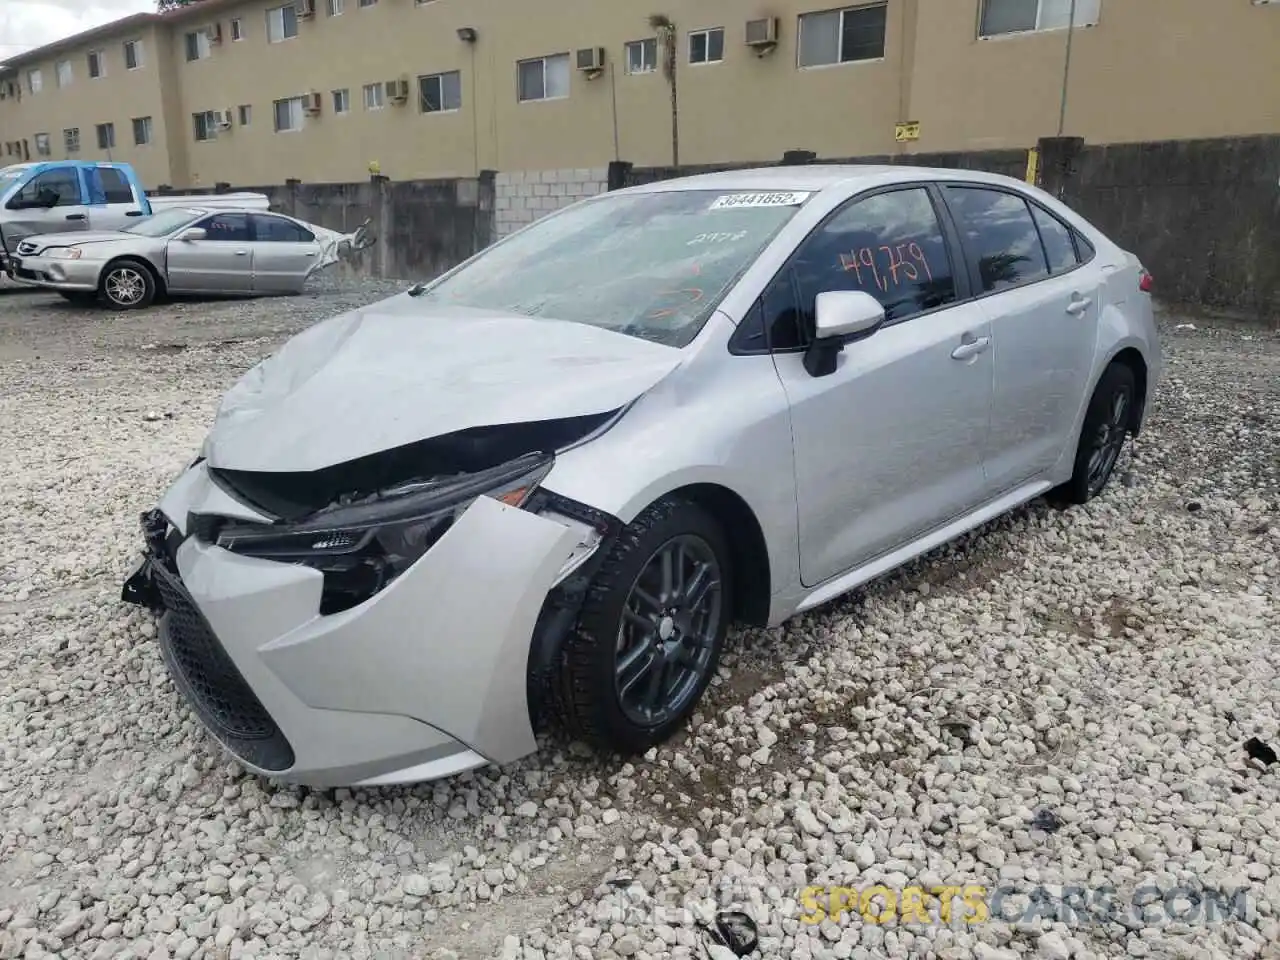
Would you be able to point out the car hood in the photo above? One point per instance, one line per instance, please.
(77, 238)
(402, 371)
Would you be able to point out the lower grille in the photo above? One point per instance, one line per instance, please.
(211, 682)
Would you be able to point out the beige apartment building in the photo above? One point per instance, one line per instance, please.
(255, 92)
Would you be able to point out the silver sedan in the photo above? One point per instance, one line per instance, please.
(185, 250)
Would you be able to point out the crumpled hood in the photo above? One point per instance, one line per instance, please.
(402, 371)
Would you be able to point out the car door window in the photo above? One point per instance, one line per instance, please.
(65, 184)
(280, 230)
(227, 227)
(115, 186)
(1000, 233)
(1056, 237)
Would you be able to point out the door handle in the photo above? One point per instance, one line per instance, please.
(133, 213)
(242, 253)
(970, 347)
(1079, 305)
(309, 253)
(76, 216)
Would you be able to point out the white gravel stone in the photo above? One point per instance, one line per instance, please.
(1102, 664)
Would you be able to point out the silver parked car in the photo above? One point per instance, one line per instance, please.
(542, 486)
(183, 250)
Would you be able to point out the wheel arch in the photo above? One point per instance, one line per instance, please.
(752, 587)
(1132, 358)
(156, 274)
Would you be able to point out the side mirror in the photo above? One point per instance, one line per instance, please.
(840, 317)
(48, 198)
(193, 233)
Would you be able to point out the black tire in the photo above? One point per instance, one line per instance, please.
(127, 285)
(1107, 422)
(589, 699)
(80, 298)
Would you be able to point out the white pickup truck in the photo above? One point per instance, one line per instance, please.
(61, 196)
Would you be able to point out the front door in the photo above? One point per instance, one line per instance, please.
(888, 446)
(220, 263)
(284, 253)
(1043, 307)
(50, 202)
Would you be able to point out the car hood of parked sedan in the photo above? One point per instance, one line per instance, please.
(77, 238)
(402, 371)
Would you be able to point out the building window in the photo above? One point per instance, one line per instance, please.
(132, 54)
(706, 46)
(282, 23)
(543, 78)
(71, 139)
(62, 71)
(289, 113)
(368, 3)
(35, 81)
(374, 96)
(440, 92)
(342, 101)
(1000, 17)
(244, 114)
(141, 131)
(237, 30)
(335, 8)
(197, 45)
(43, 147)
(205, 125)
(842, 36)
(97, 65)
(642, 56)
(106, 136)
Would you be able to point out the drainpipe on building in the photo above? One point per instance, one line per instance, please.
(1066, 69)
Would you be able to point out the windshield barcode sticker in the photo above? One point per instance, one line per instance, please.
(733, 201)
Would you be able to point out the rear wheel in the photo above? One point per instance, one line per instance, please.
(1106, 425)
(126, 285)
(649, 635)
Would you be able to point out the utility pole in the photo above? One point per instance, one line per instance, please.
(1066, 69)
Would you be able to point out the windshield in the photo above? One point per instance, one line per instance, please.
(163, 224)
(649, 265)
(9, 174)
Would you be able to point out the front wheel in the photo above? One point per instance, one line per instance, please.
(1107, 423)
(648, 638)
(126, 285)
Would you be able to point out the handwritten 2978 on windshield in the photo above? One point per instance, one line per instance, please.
(887, 266)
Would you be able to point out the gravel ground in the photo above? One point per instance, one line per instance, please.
(1060, 701)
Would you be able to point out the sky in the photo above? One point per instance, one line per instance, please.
(25, 24)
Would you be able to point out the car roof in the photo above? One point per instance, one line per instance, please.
(818, 177)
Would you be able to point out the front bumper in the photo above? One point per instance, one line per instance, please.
(70, 275)
(427, 678)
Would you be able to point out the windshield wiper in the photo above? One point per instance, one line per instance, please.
(418, 289)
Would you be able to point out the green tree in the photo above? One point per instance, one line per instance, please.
(163, 5)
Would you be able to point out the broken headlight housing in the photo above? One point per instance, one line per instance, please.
(361, 546)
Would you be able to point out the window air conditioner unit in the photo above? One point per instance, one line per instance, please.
(312, 103)
(214, 33)
(222, 119)
(762, 34)
(591, 59)
(304, 9)
(397, 91)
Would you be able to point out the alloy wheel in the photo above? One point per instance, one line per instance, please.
(1109, 440)
(125, 286)
(670, 622)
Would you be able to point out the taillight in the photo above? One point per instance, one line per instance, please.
(1146, 282)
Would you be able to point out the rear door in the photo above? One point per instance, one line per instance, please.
(220, 263)
(1043, 304)
(283, 254)
(112, 199)
(51, 201)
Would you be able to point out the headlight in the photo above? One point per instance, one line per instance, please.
(63, 253)
(363, 545)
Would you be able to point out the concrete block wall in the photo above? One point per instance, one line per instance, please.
(525, 195)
